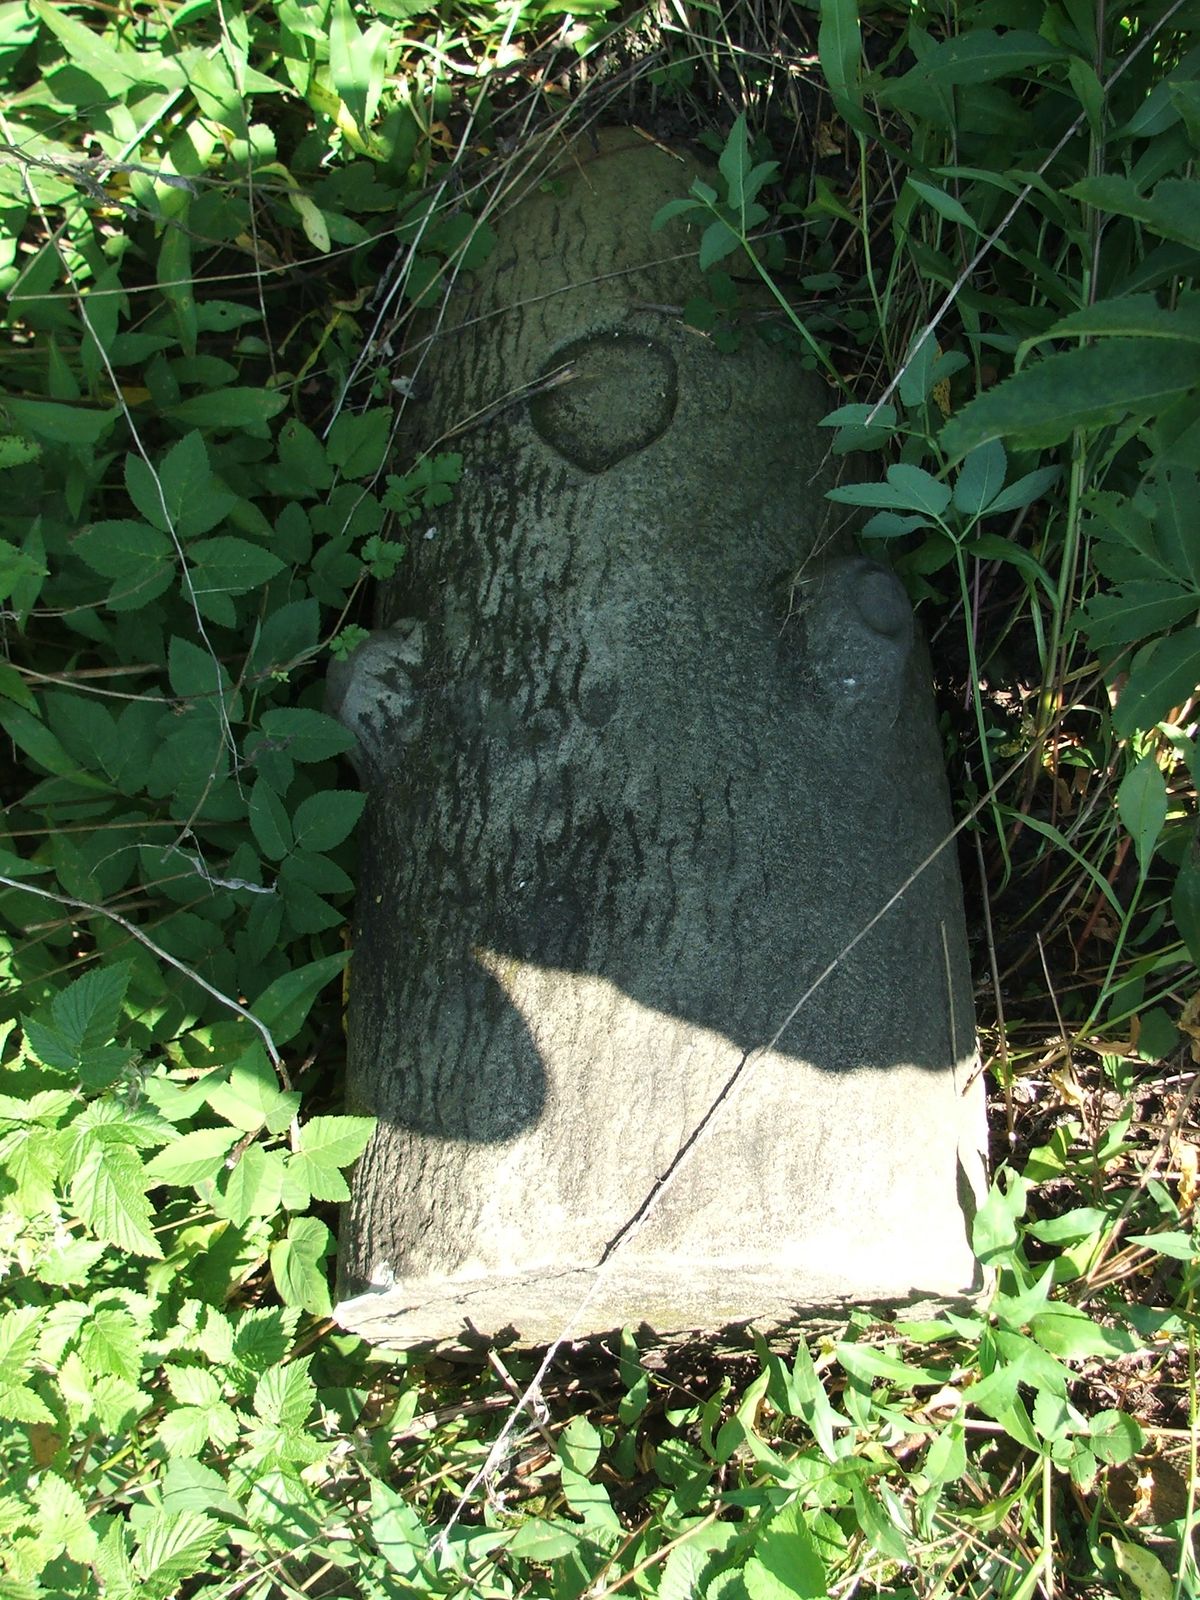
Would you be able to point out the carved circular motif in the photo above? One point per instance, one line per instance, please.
(619, 397)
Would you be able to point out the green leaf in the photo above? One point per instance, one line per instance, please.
(336, 1141)
(285, 1395)
(172, 1547)
(296, 1266)
(1185, 905)
(1025, 491)
(944, 204)
(786, 1564)
(123, 549)
(251, 1098)
(302, 456)
(111, 1342)
(1115, 1437)
(543, 1539)
(579, 1446)
(325, 819)
(1142, 805)
(1134, 315)
(734, 163)
(20, 1332)
(254, 1187)
(269, 821)
(1178, 1246)
(327, 1144)
(227, 565)
(58, 423)
(37, 741)
(262, 1338)
(1067, 1331)
(1137, 611)
(64, 1523)
(1173, 210)
(108, 1194)
(195, 673)
(839, 47)
(195, 500)
(229, 410)
(979, 55)
(981, 478)
(1144, 1570)
(1165, 674)
(1087, 388)
(306, 735)
(358, 442)
(717, 241)
(284, 1004)
(192, 1158)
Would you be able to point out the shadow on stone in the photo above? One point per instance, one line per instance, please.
(624, 813)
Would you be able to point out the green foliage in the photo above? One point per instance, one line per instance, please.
(206, 214)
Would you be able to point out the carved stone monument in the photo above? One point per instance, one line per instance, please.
(633, 789)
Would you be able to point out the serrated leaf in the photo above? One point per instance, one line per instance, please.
(122, 549)
(284, 1395)
(37, 741)
(296, 1266)
(1137, 611)
(108, 1194)
(262, 1338)
(786, 1564)
(1086, 388)
(172, 1547)
(18, 1403)
(57, 423)
(64, 1523)
(284, 1004)
(1163, 675)
(195, 674)
(254, 1187)
(541, 1539)
(192, 1158)
(229, 565)
(358, 442)
(87, 1011)
(269, 821)
(192, 1386)
(306, 735)
(20, 1331)
(980, 478)
(110, 1342)
(324, 819)
(336, 1141)
(251, 1097)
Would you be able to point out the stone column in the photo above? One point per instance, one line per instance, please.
(632, 789)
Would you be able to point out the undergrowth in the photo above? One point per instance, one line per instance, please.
(217, 221)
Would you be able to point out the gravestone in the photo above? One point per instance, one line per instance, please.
(647, 746)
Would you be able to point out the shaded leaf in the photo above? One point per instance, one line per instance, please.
(1086, 388)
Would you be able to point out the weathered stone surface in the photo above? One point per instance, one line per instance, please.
(630, 794)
